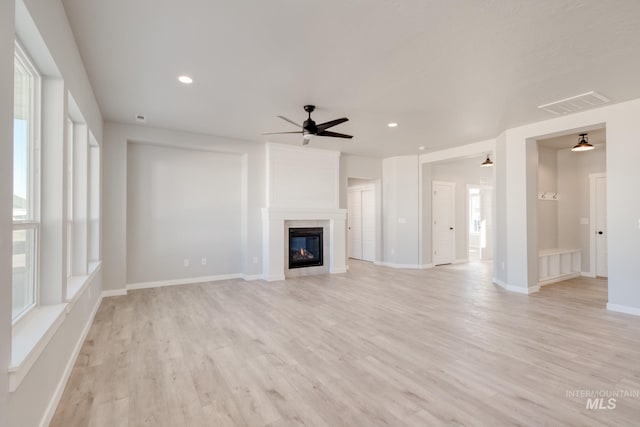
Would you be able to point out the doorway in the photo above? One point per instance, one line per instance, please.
(443, 202)
(361, 230)
(571, 207)
(479, 226)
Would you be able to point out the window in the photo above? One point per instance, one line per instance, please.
(70, 192)
(26, 127)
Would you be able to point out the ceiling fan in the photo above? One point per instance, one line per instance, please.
(309, 128)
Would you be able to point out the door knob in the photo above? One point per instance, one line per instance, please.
(599, 232)
(450, 228)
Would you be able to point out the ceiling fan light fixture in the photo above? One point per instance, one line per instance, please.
(583, 144)
(392, 125)
(487, 163)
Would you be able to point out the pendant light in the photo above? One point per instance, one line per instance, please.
(583, 144)
(487, 163)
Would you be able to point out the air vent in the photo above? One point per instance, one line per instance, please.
(575, 103)
(140, 118)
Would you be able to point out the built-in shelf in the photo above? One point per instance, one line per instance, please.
(555, 265)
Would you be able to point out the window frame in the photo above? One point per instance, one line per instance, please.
(32, 222)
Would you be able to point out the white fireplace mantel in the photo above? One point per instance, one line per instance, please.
(273, 220)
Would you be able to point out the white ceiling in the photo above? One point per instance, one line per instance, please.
(449, 72)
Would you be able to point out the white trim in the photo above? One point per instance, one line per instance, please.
(461, 260)
(79, 283)
(251, 277)
(33, 334)
(587, 274)
(521, 290)
(623, 309)
(558, 279)
(274, 278)
(592, 222)
(339, 270)
(516, 289)
(114, 293)
(401, 266)
(186, 281)
(57, 395)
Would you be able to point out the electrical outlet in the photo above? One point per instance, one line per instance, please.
(204, 261)
(255, 259)
(186, 262)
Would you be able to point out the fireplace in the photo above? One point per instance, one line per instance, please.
(305, 247)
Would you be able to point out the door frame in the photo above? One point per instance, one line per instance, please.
(360, 188)
(480, 187)
(592, 222)
(453, 214)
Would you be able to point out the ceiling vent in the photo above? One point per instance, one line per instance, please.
(140, 118)
(575, 103)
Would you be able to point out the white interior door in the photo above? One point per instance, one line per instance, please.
(486, 225)
(368, 225)
(355, 224)
(601, 226)
(443, 205)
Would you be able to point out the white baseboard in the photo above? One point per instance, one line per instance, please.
(114, 293)
(57, 395)
(588, 274)
(460, 261)
(426, 266)
(186, 281)
(275, 278)
(401, 266)
(339, 270)
(251, 277)
(623, 309)
(516, 289)
(558, 279)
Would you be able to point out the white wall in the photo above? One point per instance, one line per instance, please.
(351, 166)
(6, 196)
(548, 209)
(302, 177)
(400, 214)
(573, 187)
(182, 204)
(48, 37)
(117, 138)
(462, 172)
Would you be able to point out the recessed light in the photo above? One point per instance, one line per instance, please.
(185, 79)
(393, 125)
(421, 147)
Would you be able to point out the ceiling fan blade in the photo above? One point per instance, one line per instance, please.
(334, 134)
(282, 133)
(332, 123)
(290, 121)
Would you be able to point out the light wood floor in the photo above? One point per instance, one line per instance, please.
(373, 347)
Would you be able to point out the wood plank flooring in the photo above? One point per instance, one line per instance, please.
(373, 347)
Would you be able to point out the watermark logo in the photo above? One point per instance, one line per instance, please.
(602, 399)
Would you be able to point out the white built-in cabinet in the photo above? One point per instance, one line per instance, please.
(555, 265)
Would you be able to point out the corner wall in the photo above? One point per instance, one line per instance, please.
(401, 212)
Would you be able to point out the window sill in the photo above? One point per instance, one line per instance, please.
(30, 337)
(34, 331)
(77, 284)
